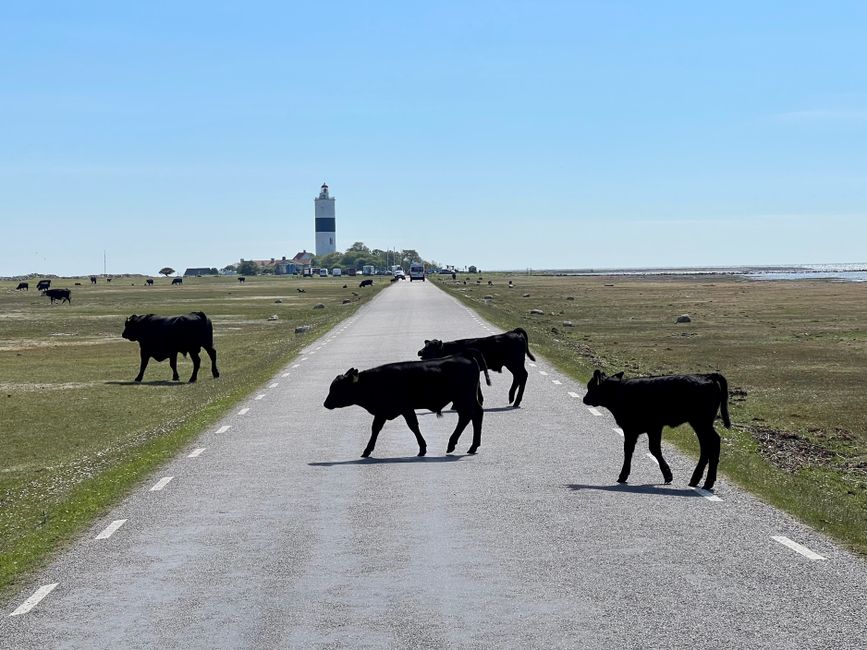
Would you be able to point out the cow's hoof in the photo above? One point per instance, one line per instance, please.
(707, 488)
(192, 380)
(450, 448)
(365, 453)
(137, 380)
(516, 406)
(693, 484)
(621, 480)
(472, 450)
(668, 479)
(422, 452)
(216, 374)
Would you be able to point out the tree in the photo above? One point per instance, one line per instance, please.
(248, 267)
(166, 271)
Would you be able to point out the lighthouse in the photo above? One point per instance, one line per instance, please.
(326, 235)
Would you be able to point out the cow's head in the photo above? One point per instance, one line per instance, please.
(342, 391)
(131, 328)
(431, 350)
(601, 388)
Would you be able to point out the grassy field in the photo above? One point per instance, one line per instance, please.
(794, 353)
(76, 433)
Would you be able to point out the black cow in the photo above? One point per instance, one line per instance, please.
(399, 388)
(42, 285)
(365, 283)
(163, 337)
(22, 286)
(242, 279)
(93, 279)
(646, 405)
(149, 282)
(499, 350)
(108, 279)
(177, 281)
(58, 294)
(300, 290)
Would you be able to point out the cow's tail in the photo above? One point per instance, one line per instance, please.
(480, 359)
(724, 398)
(523, 333)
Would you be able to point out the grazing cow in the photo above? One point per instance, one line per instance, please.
(22, 286)
(42, 285)
(149, 282)
(454, 276)
(399, 388)
(108, 279)
(163, 337)
(78, 284)
(499, 350)
(648, 404)
(242, 279)
(177, 281)
(344, 286)
(58, 294)
(365, 283)
(300, 290)
(490, 284)
(93, 279)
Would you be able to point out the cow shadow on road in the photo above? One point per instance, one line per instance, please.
(160, 382)
(495, 409)
(389, 461)
(647, 488)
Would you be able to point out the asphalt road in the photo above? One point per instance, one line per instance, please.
(279, 535)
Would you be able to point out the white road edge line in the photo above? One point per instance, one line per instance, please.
(284, 375)
(224, 428)
(556, 382)
(259, 396)
(803, 550)
(33, 601)
(244, 411)
(543, 373)
(297, 365)
(571, 394)
(651, 457)
(109, 530)
(195, 453)
(710, 496)
(274, 385)
(618, 431)
(594, 411)
(161, 483)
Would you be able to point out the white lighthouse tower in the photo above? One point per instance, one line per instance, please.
(326, 233)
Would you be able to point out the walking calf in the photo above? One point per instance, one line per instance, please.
(646, 405)
(399, 388)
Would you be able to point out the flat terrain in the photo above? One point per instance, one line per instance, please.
(77, 432)
(794, 353)
(269, 531)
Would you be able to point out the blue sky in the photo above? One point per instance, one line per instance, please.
(501, 134)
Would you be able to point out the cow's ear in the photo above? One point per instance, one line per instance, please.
(426, 342)
(598, 376)
(352, 373)
(619, 375)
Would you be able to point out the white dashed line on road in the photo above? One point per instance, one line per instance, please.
(195, 453)
(224, 428)
(594, 411)
(571, 394)
(543, 373)
(161, 483)
(284, 375)
(33, 601)
(652, 457)
(710, 496)
(297, 365)
(259, 396)
(532, 365)
(304, 358)
(803, 550)
(274, 385)
(618, 431)
(556, 382)
(111, 529)
(244, 411)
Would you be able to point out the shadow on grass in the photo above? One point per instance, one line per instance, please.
(162, 382)
(649, 488)
(389, 461)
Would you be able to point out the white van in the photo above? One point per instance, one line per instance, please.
(337, 272)
(323, 273)
(416, 271)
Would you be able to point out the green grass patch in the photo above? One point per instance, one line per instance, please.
(77, 434)
(794, 354)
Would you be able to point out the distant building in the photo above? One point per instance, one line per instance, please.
(326, 233)
(302, 260)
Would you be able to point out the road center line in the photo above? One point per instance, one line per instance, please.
(111, 529)
(259, 396)
(803, 550)
(33, 601)
(244, 411)
(594, 411)
(543, 373)
(571, 394)
(195, 453)
(556, 382)
(161, 483)
(710, 496)
(224, 428)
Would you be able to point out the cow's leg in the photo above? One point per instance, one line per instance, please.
(197, 361)
(144, 364)
(173, 362)
(477, 416)
(463, 421)
(479, 395)
(655, 445)
(520, 381)
(704, 448)
(213, 354)
(629, 440)
(378, 422)
(713, 443)
(412, 423)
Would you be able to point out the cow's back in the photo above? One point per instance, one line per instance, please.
(669, 401)
(164, 335)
